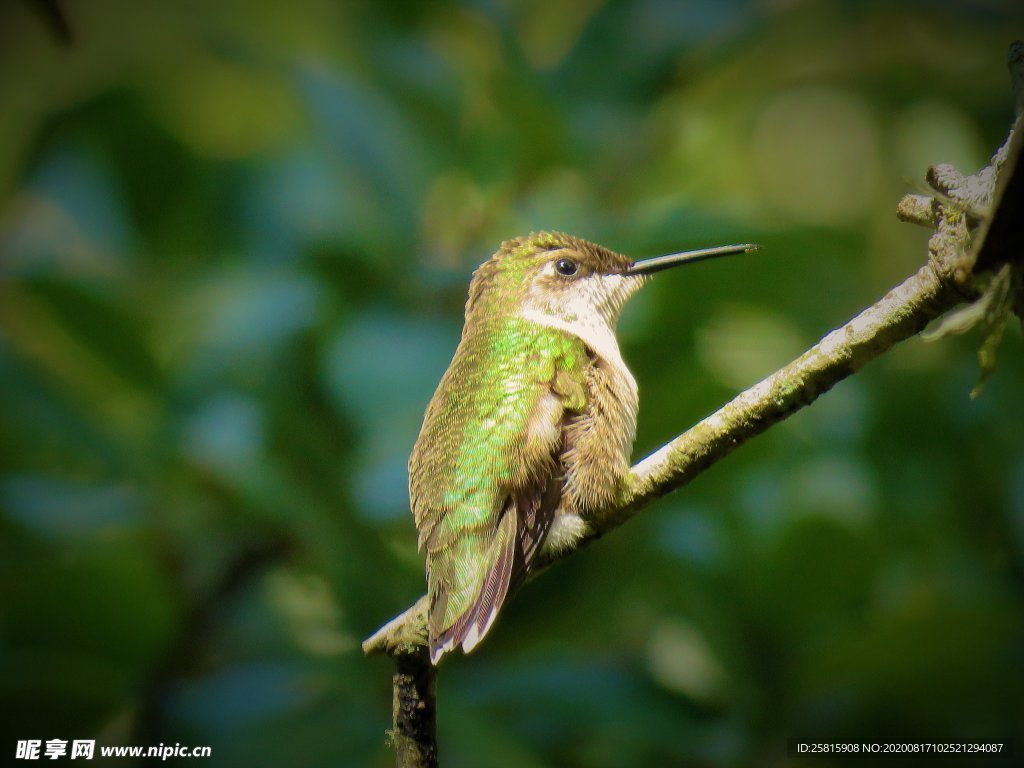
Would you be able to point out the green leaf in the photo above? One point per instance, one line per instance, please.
(965, 318)
(990, 313)
(994, 323)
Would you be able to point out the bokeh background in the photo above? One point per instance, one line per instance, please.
(235, 239)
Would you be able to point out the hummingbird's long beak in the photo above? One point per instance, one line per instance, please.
(658, 263)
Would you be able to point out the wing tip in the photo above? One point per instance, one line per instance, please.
(470, 627)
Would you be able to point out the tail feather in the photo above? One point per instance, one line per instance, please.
(472, 624)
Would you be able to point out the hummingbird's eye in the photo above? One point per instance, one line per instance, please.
(566, 267)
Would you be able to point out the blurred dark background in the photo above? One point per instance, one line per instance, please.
(235, 239)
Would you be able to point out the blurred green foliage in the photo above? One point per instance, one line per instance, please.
(235, 242)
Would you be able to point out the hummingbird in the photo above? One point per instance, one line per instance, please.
(531, 428)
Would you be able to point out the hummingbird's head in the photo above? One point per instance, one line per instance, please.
(554, 275)
(560, 280)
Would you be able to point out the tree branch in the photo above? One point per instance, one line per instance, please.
(900, 314)
(955, 208)
(414, 708)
